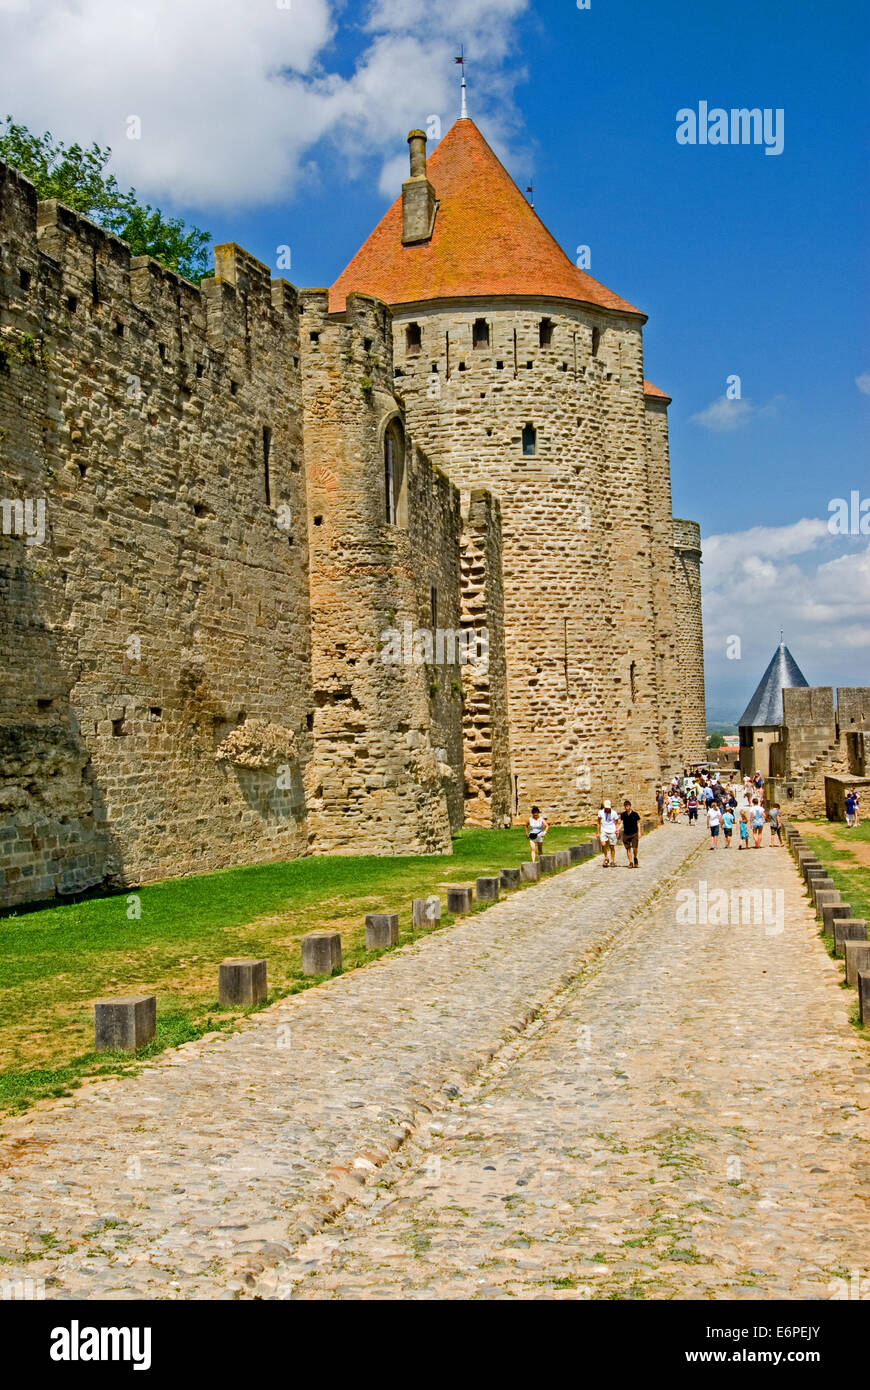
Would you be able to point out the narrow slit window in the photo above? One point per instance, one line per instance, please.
(413, 339)
(433, 606)
(530, 439)
(596, 341)
(480, 333)
(545, 332)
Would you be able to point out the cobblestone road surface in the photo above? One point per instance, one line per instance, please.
(572, 1095)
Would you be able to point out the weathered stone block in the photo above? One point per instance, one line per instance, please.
(241, 983)
(382, 930)
(487, 889)
(576, 853)
(459, 897)
(425, 911)
(848, 929)
(127, 1023)
(321, 952)
(828, 899)
(857, 955)
(529, 872)
(509, 878)
(562, 858)
(820, 885)
(547, 863)
(831, 912)
(864, 995)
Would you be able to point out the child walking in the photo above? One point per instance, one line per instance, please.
(743, 828)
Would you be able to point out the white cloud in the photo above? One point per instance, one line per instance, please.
(233, 96)
(863, 383)
(724, 414)
(800, 579)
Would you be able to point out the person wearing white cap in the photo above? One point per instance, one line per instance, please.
(608, 822)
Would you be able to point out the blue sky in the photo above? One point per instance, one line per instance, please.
(273, 125)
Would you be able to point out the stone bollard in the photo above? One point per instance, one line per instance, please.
(321, 952)
(425, 911)
(127, 1023)
(857, 955)
(562, 858)
(848, 929)
(864, 996)
(812, 871)
(820, 885)
(576, 853)
(509, 878)
(831, 912)
(547, 863)
(459, 896)
(382, 930)
(529, 872)
(823, 900)
(241, 983)
(487, 889)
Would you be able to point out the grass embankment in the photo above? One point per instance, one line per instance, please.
(55, 963)
(845, 854)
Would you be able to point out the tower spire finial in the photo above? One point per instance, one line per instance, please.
(463, 110)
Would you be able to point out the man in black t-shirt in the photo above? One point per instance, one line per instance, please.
(630, 833)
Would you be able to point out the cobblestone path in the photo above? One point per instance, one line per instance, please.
(569, 1095)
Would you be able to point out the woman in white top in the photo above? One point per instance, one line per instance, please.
(714, 821)
(536, 829)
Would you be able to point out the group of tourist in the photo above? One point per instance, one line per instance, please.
(724, 806)
(721, 805)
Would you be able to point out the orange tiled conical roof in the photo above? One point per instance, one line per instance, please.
(487, 240)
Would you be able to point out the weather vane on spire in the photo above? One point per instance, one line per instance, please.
(463, 110)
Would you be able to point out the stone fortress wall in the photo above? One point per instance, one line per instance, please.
(164, 708)
(690, 637)
(195, 670)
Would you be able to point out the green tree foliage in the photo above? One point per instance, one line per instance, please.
(716, 741)
(76, 176)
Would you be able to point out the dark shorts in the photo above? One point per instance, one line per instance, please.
(693, 813)
(630, 842)
(714, 830)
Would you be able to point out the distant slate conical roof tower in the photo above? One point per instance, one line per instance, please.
(765, 708)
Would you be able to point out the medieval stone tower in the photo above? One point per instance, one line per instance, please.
(521, 374)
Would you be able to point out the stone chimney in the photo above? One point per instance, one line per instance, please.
(418, 195)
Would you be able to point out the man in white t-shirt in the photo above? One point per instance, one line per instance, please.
(608, 822)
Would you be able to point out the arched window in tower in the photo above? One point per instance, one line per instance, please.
(545, 332)
(530, 439)
(480, 333)
(413, 339)
(395, 504)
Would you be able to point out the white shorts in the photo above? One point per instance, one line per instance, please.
(608, 837)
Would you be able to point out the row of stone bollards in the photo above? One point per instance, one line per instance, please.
(129, 1024)
(849, 933)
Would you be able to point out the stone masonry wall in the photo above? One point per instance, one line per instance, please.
(690, 639)
(485, 708)
(387, 770)
(160, 426)
(665, 585)
(586, 676)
